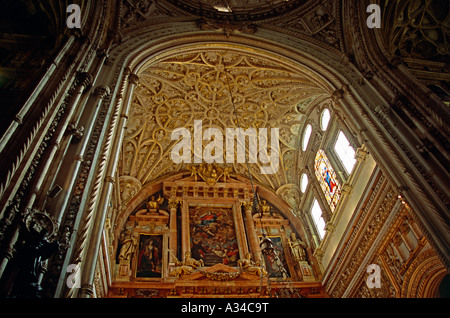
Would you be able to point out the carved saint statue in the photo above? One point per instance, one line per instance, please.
(188, 266)
(129, 243)
(249, 266)
(297, 248)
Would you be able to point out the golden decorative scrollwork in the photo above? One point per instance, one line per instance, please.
(210, 173)
(221, 276)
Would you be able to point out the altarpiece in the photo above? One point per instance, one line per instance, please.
(200, 237)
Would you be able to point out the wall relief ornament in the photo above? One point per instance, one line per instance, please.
(290, 193)
(129, 187)
(134, 11)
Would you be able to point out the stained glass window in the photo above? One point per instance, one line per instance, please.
(327, 178)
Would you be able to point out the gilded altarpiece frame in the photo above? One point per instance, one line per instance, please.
(272, 265)
(213, 237)
(214, 232)
(278, 230)
(149, 256)
(150, 233)
(193, 211)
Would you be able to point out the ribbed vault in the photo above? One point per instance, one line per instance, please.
(200, 85)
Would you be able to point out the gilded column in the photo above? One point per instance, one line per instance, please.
(185, 246)
(173, 204)
(240, 231)
(251, 232)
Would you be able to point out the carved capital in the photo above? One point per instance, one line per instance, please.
(247, 206)
(382, 111)
(84, 79)
(361, 154)
(102, 91)
(133, 78)
(346, 189)
(172, 203)
(337, 95)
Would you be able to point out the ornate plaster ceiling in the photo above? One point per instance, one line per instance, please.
(418, 29)
(177, 90)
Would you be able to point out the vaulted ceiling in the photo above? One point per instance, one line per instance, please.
(200, 85)
(181, 87)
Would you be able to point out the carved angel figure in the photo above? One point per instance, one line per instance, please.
(188, 266)
(249, 266)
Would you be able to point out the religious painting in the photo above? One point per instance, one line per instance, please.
(149, 257)
(213, 235)
(327, 178)
(275, 263)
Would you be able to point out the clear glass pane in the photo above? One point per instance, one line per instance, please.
(345, 152)
(316, 213)
(306, 136)
(325, 119)
(303, 182)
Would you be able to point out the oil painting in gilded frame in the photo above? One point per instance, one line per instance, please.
(273, 267)
(150, 256)
(213, 235)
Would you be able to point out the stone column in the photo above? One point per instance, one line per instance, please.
(83, 79)
(92, 229)
(74, 158)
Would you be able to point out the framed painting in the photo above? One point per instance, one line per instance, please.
(213, 235)
(149, 257)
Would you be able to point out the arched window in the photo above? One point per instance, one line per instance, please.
(325, 119)
(327, 178)
(303, 182)
(345, 152)
(306, 136)
(316, 213)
